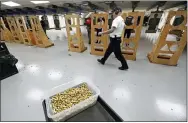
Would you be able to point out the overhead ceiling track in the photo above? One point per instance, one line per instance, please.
(92, 6)
(134, 5)
(157, 4)
(31, 10)
(46, 10)
(176, 5)
(112, 5)
(59, 9)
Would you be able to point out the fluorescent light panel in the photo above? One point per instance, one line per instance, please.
(11, 4)
(40, 2)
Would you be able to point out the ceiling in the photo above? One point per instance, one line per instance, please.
(125, 5)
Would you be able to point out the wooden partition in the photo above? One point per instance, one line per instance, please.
(14, 29)
(38, 34)
(129, 45)
(20, 21)
(30, 30)
(1, 34)
(75, 40)
(1, 30)
(157, 55)
(99, 44)
(6, 35)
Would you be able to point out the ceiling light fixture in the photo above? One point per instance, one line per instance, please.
(11, 4)
(107, 2)
(40, 2)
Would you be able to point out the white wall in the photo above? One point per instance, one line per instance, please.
(62, 20)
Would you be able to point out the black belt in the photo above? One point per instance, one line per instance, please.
(115, 37)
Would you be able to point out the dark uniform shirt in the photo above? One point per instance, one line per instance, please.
(43, 24)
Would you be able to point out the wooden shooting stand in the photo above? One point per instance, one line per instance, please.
(6, 35)
(169, 57)
(38, 36)
(75, 41)
(30, 31)
(2, 33)
(23, 30)
(129, 45)
(99, 48)
(14, 29)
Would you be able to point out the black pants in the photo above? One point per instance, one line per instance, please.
(44, 30)
(114, 46)
(89, 35)
(128, 33)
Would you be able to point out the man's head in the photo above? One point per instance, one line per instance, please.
(116, 11)
(155, 15)
(42, 18)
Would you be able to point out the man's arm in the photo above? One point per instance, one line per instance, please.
(109, 31)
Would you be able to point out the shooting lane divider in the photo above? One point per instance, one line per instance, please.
(6, 35)
(2, 34)
(157, 55)
(100, 47)
(75, 41)
(2, 38)
(128, 51)
(23, 30)
(38, 36)
(13, 28)
(30, 30)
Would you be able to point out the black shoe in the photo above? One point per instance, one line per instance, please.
(100, 61)
(123, 68)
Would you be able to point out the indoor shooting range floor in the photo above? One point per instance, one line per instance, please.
(146, 92)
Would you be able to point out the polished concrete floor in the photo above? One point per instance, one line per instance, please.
(146, 92)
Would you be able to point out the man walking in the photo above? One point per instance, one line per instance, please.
(115, 39)
(44, 25)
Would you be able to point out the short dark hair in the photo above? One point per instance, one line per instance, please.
(117, 10)
(155, 15)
